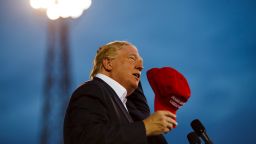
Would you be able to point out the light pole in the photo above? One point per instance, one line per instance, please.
(57, 69)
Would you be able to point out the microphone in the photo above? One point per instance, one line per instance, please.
(200, 131)
(193, 138)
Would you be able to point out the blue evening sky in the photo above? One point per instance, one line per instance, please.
(212, 42)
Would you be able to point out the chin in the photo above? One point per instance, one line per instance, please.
(130, 92)
(135, 85)
(132, 88)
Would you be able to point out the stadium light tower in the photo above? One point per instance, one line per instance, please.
(57, 70)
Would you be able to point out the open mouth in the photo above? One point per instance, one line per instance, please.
(136, 75)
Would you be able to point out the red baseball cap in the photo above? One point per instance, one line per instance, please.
(170, 87)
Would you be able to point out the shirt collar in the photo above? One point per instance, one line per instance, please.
(118, 88)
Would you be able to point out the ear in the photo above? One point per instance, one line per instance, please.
(107, 64)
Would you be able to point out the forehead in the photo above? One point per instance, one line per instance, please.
(129, 50)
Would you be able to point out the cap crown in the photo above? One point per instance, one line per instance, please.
(170, 87)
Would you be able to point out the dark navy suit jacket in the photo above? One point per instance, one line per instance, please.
(95, 115)
(139, 110)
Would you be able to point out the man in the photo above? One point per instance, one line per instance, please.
(98, 113)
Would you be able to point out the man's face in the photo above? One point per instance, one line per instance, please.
(127, 67)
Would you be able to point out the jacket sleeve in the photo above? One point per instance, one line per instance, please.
(139, 110)
(87, 121)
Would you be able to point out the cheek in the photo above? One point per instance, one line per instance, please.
(123, 68)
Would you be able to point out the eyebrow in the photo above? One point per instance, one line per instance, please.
(136, 56)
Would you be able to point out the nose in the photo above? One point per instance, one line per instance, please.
(139, 65)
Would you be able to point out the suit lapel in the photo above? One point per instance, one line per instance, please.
(122, 108)
(117, 104)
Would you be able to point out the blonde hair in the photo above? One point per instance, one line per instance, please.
(106, 51)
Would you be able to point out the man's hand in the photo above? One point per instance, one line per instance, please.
(159, 122)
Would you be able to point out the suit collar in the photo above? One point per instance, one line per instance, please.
(118, 88)
(116, 101)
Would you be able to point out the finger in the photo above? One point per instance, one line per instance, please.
(167, 129)
(174, 122)
(169, 114)
(170, 126)
(171, 121)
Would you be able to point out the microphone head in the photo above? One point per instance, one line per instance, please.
(193, 138)
(198, 127)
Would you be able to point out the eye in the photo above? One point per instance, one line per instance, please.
(132, 58)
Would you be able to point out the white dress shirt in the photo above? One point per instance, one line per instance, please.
(118, 88)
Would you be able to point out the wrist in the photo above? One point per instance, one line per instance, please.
(146, 127)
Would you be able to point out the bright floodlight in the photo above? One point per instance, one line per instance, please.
(62, 8)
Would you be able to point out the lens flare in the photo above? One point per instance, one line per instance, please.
(62, 8)
(53, 12)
